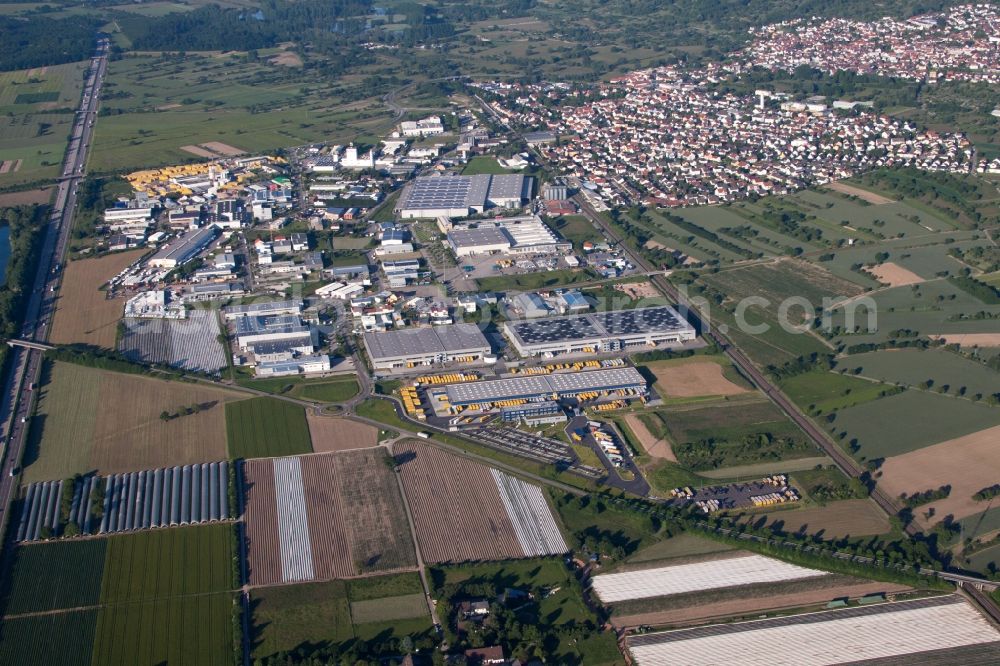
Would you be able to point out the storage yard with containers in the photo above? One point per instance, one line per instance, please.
(935, 630)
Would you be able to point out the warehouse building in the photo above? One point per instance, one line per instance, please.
(461, 196)
(599, 332)
(269, 308)
(546, 387)
(305, 364)
(184, 249)
(513, 235)
(254, 330)
(408, 348)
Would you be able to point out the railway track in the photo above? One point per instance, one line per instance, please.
(844, 462)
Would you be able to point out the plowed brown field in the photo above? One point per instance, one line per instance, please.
(83, 314)
(357, 524)
(330, 542)
(332, 433)
(457, 510)
(261, 519)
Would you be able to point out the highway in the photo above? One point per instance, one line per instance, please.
(17, 400)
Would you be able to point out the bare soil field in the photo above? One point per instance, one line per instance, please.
(354, 512)
(27, 197)
(331, 433)
(638, 290)
(129, 433)
(457, 510)
(89, 419)
(691, 379)
(863, 194)
(9, 166)
(200, 152)
(691, 614)
(894, 275)
(287, 58)
(968, 464)
(856, 517)
(656, 448)
(261, 518)
(378, 532)
(222, 148)
(328, 535)
(970, 339)
(83, 314)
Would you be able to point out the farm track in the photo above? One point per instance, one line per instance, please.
(261, 519)
(328, 532)
(434, 481)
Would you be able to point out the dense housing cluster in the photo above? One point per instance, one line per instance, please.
(663, 137)
(960, 44)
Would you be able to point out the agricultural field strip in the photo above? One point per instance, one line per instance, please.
(457, 511)
(852, 635)
(533, 522)
(682, 578)
(260, 516)
(293, 525)
(329, 539)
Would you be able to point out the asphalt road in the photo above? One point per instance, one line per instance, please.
(17, 400)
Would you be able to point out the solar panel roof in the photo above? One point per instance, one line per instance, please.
(613, 324)
(537, 385)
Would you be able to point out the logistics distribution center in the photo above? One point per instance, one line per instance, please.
(411, 347)
(599, 332)
(460, 196)
(535, 396)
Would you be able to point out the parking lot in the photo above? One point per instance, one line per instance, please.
(738, 495)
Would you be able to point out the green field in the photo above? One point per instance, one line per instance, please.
(682, 545)
(484, 164)
(50, 576)
(827, 484)
(325, 615)
(265, 427)
(529, 281)
(909, 421)
(154, 105)
(175, 630)
(42, 640)
(36, 115)
(578, 229)
(183, 561)
(337, 389)
(728, 434)
(162, 596)
(948, 372)
(824, 391)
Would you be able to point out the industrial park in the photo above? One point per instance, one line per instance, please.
(458, 334)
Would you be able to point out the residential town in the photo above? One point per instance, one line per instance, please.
(959, 44)
(663, 137)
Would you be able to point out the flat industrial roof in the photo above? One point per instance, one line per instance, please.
(537, 385)
(187, 246)
(434, 192)
(618, 323)
(415, 342)
(258, 308)
(478, 237)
